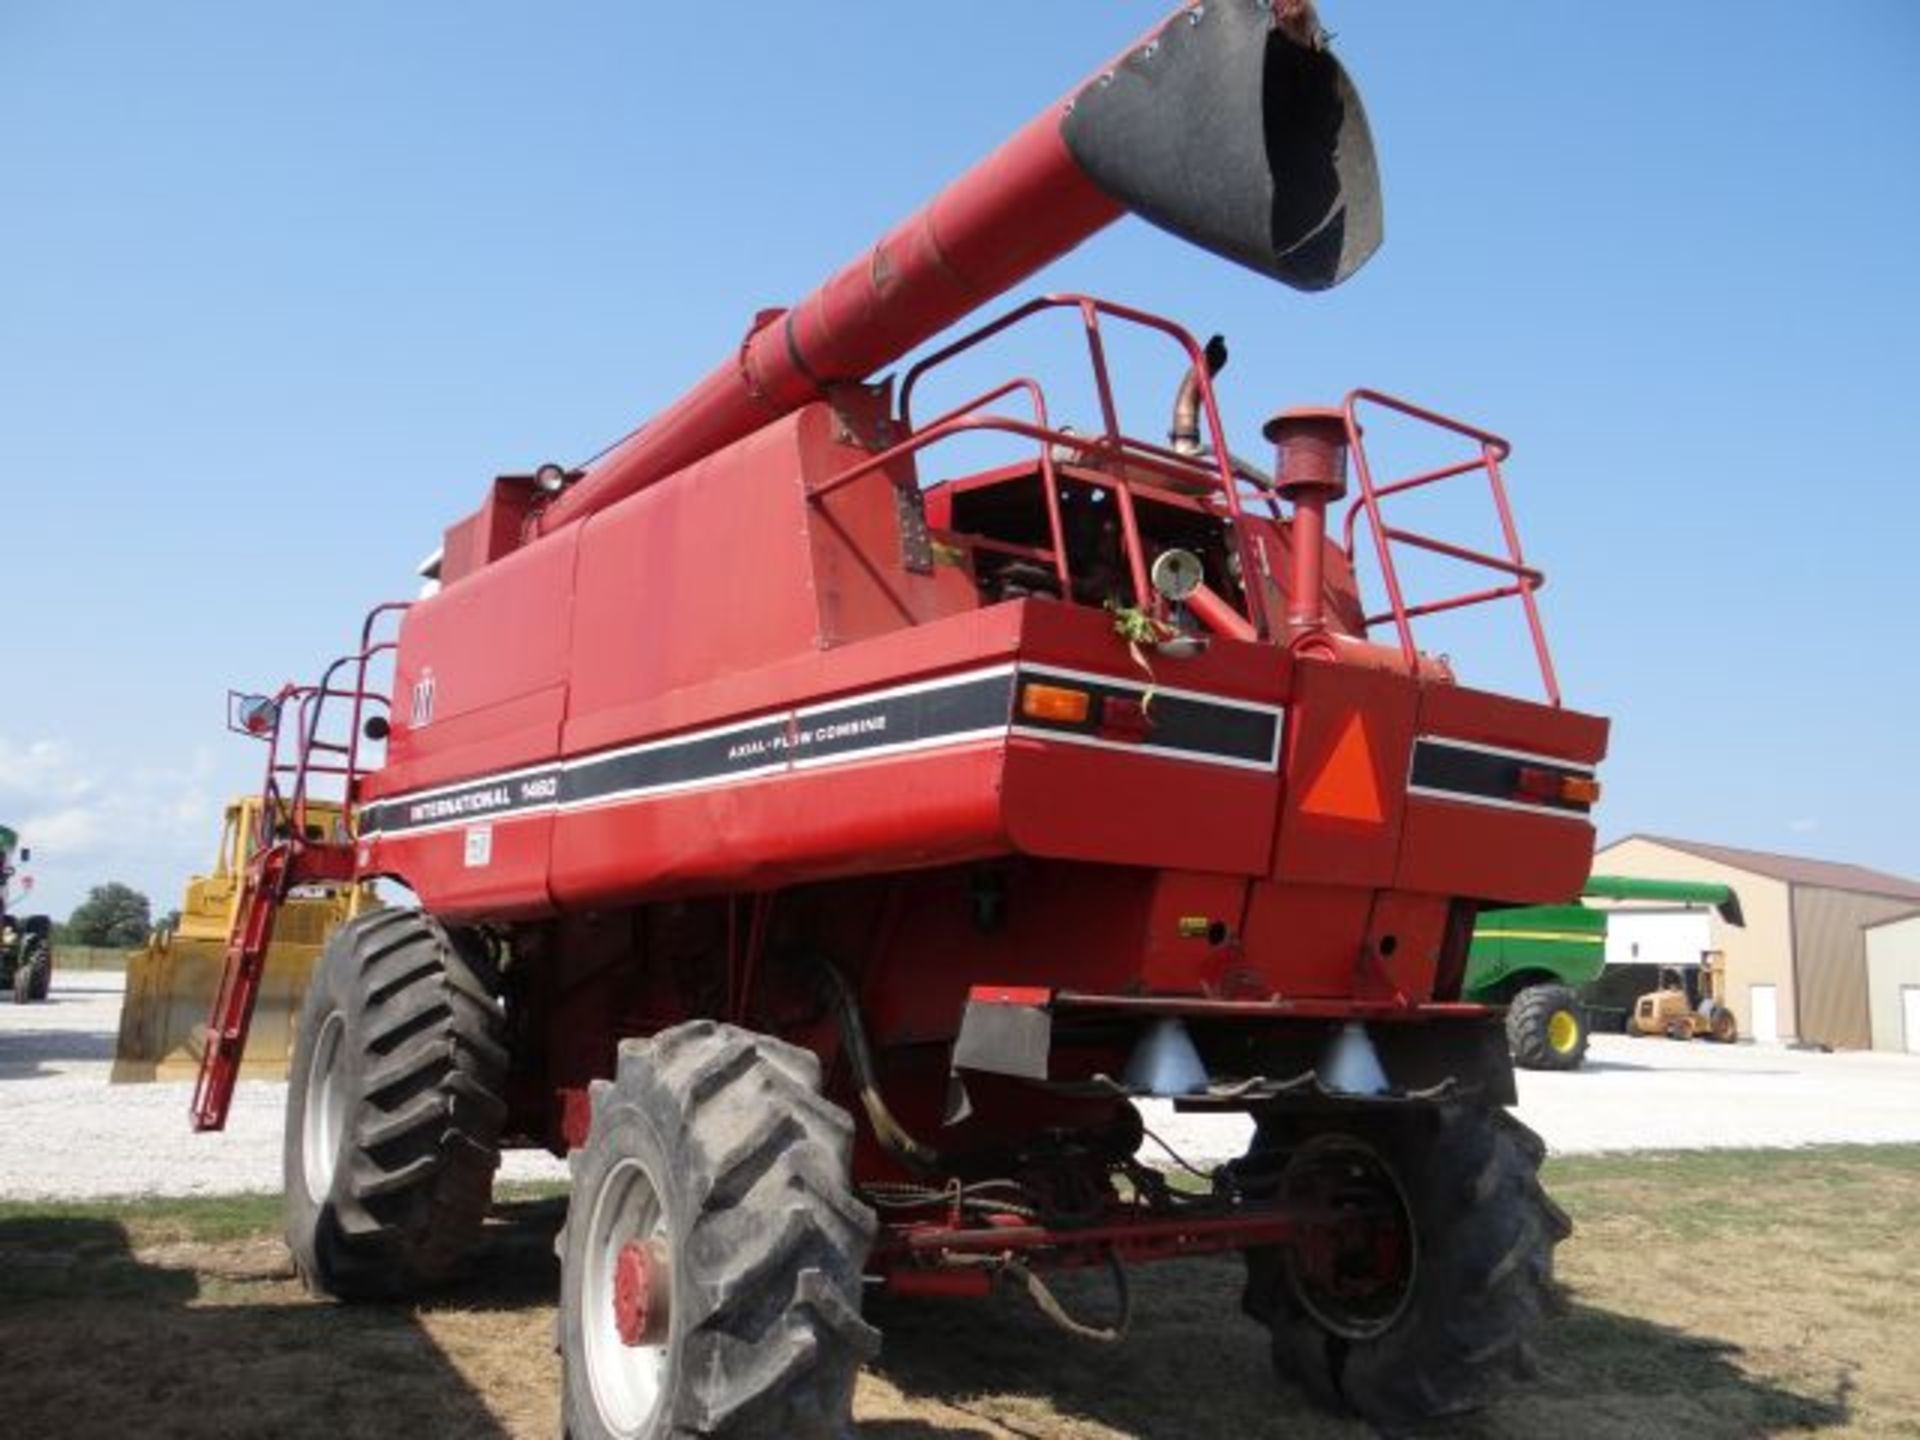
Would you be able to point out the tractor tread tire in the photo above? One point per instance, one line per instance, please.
(770, 1239)
(36, 958)
(1483, 1284)
(427, 1064)
(1528, 1019)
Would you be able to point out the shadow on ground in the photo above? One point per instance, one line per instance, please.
(30, 1052)
(196, 1339)
(1194, 1367)
(1591, 1065)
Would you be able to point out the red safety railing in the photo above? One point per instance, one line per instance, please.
(284, 854)
(318, 753)
(1523, 580)
(1216, 474)
(1213, 471)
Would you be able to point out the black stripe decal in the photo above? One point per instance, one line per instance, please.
(1471, 773)
(904, 719)
(838, 731)
(1200, 728)
(464, 804)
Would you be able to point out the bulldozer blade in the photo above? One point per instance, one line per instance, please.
(170, 990)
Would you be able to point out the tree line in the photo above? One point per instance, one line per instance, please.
(113, 916)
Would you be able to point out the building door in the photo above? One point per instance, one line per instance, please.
(1763, 1013)
(1910, 1014)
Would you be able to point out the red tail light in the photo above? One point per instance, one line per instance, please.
(1122, 718)
(1555, 787)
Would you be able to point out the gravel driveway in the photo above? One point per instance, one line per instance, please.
(66, 1133)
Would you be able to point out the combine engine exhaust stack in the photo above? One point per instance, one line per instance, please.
(1231, 126)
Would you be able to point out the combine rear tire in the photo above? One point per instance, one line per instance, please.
(22, 980)
(711, 1263)
(395, 1107)
(1439, 1327)
(1547, 1028)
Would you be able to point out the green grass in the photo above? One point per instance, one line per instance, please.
(1708, 1167)
(1740, 1180)
(145, 1220)
(1718, 1295)
(196, 1219)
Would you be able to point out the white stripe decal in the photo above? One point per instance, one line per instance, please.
(1464, 797)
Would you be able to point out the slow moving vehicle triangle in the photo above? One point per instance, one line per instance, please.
(1346, 787)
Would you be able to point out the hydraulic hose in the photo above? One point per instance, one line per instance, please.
(894, 1137)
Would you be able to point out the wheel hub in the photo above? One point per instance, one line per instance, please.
(1562, 1032)
(1354, 1270)
(641, 1293)
(627, 1329)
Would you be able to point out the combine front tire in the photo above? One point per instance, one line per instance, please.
(395, 1107)
(1547, 1028)
(711, 1263)
(1424, 1303)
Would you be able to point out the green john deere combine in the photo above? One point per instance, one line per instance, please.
(26, 941)
(1545, 963)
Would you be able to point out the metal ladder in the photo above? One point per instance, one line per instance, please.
(286, 852)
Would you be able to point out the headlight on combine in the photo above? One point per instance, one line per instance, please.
(1177, 574)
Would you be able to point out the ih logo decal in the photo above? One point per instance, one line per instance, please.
(1346, 787)
(422, 710)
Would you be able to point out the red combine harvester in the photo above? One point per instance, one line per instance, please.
(828, 849)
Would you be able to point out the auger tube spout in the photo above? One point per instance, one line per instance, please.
(1229, 125)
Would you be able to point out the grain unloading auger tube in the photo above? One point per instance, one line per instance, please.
(1230, 126)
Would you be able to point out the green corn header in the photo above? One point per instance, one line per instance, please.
(1535, 959)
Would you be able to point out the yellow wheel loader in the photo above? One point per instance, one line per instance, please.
(1688, 1005)
(172, 981)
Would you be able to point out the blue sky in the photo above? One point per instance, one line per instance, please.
(282, 287)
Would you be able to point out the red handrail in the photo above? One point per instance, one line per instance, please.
(1526, 579)
(1218, 470)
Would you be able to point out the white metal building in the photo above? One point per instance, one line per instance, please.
(1893, 983)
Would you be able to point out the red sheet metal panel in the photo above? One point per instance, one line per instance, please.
(1348, 736)
(1499, 846)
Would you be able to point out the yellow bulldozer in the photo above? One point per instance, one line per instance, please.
(172, 981)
